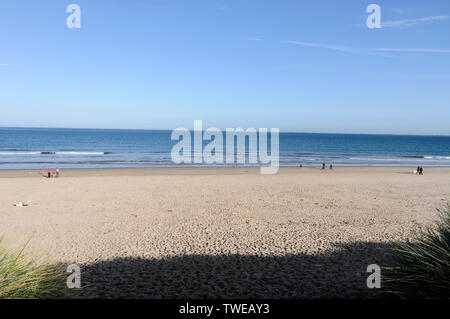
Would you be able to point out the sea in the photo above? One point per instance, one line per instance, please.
(33, 148)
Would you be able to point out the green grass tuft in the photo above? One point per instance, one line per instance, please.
(23, 277)
(421, 268)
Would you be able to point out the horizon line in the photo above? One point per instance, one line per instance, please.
(169, 130)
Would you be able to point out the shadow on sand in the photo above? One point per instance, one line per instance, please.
(337, 274)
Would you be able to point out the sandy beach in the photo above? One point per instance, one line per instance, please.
(220, 232)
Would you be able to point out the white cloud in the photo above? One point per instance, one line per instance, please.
(412, 22)
(324, 46)
(413, 50)
(365, 50)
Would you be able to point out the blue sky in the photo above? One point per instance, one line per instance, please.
(304, 66)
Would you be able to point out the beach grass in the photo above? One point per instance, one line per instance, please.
(421, 267)
(24, 277)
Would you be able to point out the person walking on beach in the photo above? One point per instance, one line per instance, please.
(49, 173)
(420, 170)
(331, 166)
(323, 165)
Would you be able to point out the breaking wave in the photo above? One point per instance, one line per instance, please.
(53, 153)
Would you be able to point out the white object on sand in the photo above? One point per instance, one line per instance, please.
(20, 204)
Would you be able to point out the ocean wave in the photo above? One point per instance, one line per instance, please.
(52, 153)
(18, 153)
(438, 157)
(79, 153)
(413, 156)
(411, 159)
